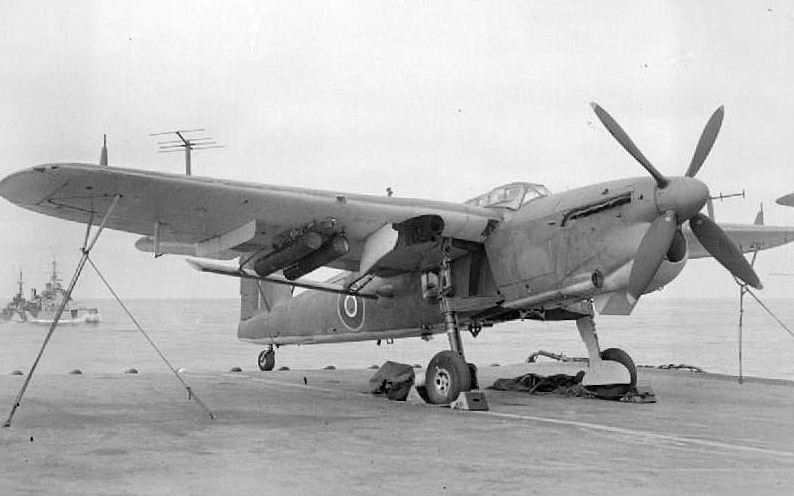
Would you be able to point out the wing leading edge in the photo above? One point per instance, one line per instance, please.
(214, 218)
(747, 237)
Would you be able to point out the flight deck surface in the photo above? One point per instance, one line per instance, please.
(138, 434)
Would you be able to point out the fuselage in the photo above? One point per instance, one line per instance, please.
(320, 317)
(555, 249)
(563, 239)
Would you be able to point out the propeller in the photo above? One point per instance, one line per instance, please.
(720, 246)
(615, 130)
(706, 141)
(679, 199)
(650, 254)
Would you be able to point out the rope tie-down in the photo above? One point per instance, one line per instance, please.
(191, 394)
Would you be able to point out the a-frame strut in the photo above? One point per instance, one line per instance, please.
(86, 250)
(85, 258)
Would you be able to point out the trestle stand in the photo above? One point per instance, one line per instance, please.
(85, 258)
(86, 250)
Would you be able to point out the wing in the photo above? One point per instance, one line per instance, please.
(214, 218)
(748, 237)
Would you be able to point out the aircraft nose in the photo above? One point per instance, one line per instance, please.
(685, 195)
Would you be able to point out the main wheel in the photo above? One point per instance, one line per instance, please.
(266, 360)
(447, 376)
(616, 391)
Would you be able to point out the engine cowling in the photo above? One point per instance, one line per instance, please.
(674, 262)
(615, 300)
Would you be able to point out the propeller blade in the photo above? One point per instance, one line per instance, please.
(651, 252)
(720, 246)
(619, 134)
(706, 141)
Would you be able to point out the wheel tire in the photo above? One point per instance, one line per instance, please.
(447, 376)
(616, 391)
(266, 360)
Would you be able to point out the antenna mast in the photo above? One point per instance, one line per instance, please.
(186, 143)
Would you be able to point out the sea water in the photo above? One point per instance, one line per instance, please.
(200, 335)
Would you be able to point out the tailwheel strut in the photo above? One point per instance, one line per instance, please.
(448, 374)
(610, 373)
(267, 359)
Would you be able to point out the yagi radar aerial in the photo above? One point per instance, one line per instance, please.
(186, 143)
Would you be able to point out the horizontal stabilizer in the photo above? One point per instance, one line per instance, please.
(226, 270)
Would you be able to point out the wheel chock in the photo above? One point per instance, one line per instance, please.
(470, 400)
(639, 394)
(417, 395)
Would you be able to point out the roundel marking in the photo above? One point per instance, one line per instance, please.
(351, 311)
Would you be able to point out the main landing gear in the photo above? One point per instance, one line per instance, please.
(448, 374)
(610, 373)
(267, 359)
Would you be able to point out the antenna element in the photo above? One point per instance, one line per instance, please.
(186, 143)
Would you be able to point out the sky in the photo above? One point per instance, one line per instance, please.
(442, 99)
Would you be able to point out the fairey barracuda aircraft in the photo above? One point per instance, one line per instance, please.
(413, 268)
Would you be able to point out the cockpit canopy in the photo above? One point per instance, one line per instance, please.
(511, 196)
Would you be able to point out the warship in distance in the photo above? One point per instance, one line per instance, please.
(42, 307)
(16, 309)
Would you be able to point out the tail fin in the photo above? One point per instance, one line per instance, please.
(261, 296)
(103, 156)
(759, 217)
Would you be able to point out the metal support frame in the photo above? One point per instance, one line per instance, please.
(86, 250)
(743, 290)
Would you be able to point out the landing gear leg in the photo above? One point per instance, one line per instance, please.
(448, 374)
(267, 359)
(610, 373)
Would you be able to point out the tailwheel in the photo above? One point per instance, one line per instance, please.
(616, 391)
(447, 376)
(267, 360)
